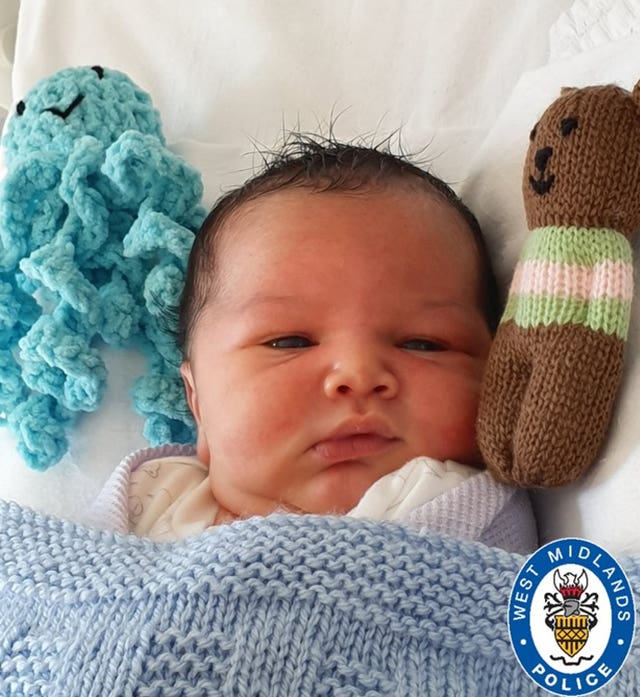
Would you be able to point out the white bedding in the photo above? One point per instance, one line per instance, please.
(227, 74)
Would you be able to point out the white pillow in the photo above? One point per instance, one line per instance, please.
(603, 505)
(226, 73)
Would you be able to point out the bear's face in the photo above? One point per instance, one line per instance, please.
(583, 163)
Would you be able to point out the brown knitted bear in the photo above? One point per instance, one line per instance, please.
(555, 367)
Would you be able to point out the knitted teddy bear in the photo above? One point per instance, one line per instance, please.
(97, 217)
(556, 364)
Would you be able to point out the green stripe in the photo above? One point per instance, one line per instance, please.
(610, 315)
(576, 245)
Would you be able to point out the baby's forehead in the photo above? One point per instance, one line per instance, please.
(306, 224)
(407, 194)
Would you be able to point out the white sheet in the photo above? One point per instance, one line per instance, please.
(232, 71)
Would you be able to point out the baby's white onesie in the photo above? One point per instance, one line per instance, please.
(164, 493)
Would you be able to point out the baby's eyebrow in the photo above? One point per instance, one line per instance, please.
(259, 299)
(454, 306)
(470, 316)
(462, 312)
(442, 305)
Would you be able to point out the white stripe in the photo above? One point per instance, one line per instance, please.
(607, 279)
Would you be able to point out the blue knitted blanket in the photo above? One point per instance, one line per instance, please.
(278, 606)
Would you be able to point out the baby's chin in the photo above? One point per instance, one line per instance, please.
(338, 489)
(316, 507)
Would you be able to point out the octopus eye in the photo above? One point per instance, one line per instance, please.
(20, 107)
(99, 71)
(534, 130)
(568, 125)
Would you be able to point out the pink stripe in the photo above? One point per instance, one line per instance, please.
(608, 279)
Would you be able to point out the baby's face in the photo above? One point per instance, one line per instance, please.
(346, 338)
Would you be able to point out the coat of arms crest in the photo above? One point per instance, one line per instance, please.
(571, 613)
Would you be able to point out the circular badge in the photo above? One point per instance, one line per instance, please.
(571, 617)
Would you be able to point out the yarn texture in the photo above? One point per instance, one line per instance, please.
(97, 217)
(573, 276)
(285, 605)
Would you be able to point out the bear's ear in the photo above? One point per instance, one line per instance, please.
(564, 91)
(635, 93)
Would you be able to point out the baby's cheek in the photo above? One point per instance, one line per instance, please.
(454, 418)
(462, 442)
(253, 421)
(463, 429)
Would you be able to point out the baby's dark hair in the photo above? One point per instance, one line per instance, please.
(320, 164)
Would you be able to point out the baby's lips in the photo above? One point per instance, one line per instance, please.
(361, 425)
(353, 447)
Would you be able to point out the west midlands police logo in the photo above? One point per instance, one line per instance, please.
(571, 617)
(571, 613)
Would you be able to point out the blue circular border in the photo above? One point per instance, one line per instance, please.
(622, 632)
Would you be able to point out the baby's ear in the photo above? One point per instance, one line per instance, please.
(202, 445)
(190, 390)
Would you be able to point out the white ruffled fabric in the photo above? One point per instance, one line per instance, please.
(590, 23)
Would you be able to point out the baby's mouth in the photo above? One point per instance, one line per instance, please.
(352, 447)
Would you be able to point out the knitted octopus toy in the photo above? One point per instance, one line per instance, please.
(97, 218)
(556, 364)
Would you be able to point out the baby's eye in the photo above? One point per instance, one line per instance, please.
(289, 342)
(421, 345)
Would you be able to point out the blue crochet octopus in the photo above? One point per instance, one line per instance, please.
(97, 218)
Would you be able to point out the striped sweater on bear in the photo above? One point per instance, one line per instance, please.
(573, 275)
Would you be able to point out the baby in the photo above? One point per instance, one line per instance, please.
(336, 318)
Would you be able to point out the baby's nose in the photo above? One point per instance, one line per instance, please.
(360, 376)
